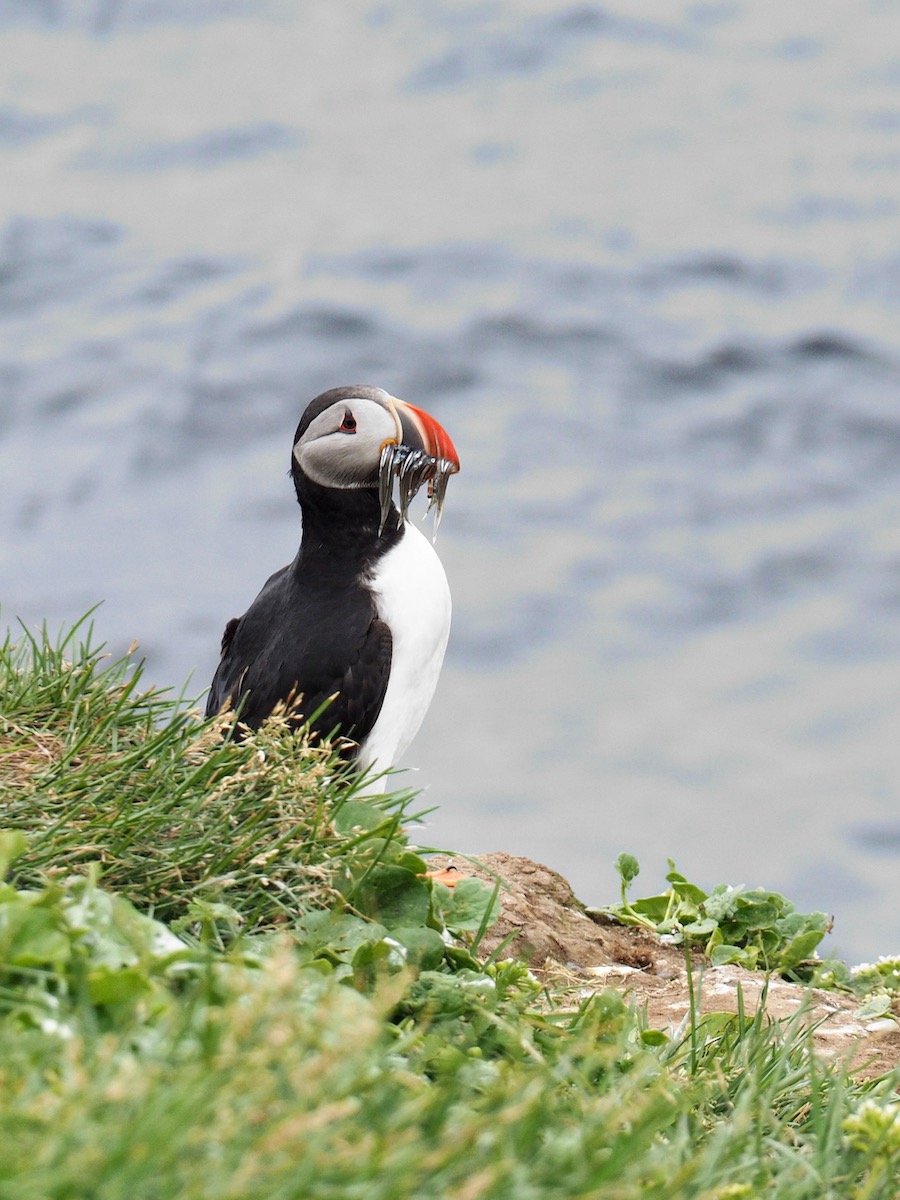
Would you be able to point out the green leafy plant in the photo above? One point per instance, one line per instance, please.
(752, 927)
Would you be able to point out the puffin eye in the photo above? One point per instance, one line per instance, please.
(348, 425)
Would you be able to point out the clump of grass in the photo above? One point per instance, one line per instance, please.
(178, 816)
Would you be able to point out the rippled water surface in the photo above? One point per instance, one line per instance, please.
(641, 259)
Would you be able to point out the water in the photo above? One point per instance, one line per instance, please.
(642, 260)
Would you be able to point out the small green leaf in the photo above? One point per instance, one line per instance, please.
(372, 959)
(654, 907)
(799, 949)
(357, 815)
(336, 936)
(700, 929)
(32, 936)
(12, 846)
(742, 956)
(757, 910)
(468, 905)
(117, 986)
(394, 896)
(628, 867)
(878, 1005)
(654, 1037)
(411, 861)
(687, 891)
(425, 947)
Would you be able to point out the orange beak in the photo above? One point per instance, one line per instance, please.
(420, 431)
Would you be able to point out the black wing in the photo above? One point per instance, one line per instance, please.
(288, 646)
(360, 690)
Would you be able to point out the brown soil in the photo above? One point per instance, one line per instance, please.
(554, 933)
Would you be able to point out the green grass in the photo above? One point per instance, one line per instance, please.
(223, 973)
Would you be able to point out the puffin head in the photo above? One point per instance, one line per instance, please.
(362, 437)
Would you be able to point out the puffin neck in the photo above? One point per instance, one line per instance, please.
(342, 523)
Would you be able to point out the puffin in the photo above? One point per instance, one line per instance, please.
(349, 638)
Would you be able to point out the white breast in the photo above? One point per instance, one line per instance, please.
(412, 597)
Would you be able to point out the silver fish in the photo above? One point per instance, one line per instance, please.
(412, 468)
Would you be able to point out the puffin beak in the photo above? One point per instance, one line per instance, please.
(424, 452)
(421, 432)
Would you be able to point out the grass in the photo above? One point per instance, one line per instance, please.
(224, 973)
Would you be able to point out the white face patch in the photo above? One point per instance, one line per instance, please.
(338, 457)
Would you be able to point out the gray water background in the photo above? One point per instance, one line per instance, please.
(642, 259)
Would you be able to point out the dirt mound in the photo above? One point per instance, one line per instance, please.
(553, 932)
